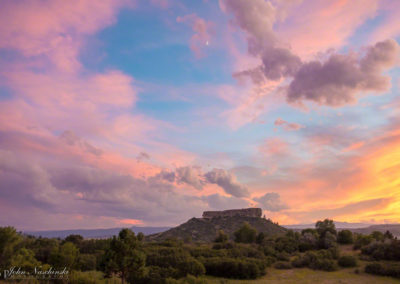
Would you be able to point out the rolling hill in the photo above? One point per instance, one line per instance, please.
(202, 229)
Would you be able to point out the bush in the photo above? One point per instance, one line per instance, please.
(347, 261)
(392, 269)
(246, 234)
(283, 256)
(387, 250)
(283, 265)
(226, 245)
(324, 264)
(234, 268)
(192, 267)
(321, 260)
(361, 240)
(221, 237)
(345, 237)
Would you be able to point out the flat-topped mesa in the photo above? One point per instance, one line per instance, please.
(247, 212)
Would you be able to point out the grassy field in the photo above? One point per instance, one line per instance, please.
(305, 275)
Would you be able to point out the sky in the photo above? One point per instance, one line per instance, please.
(120, 112)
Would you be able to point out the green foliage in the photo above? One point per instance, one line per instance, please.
(174, 257)
(319, 260)
(235, 268)
(25, 259)
(221, 237)
(387, 250)
(347, 261)
(86, 262)
(43, 247)
(140, 236)
(246, 234)
(75, 239)
(323, 227)
(388, 235)
(190, 279)
(124, 258)
(9, 241)
(378, 236)
(308, 240)
(361, 240)
(345, 237)
(64, 256)
(287, 244)
(283, 265)
(389, 269)
(260, 238)
(226, 245)
(327, 240)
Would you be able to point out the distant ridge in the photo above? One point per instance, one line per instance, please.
(93, 233)
(339, 225)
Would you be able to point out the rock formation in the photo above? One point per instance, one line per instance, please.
(247, 212)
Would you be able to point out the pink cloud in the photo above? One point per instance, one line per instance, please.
(289, 126)
(274, 147)
(131, 222)
(390, 25)
(315, 26)
(202, 33)
(55, 29)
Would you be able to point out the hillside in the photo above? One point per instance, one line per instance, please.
(201, 229)
(393, 228)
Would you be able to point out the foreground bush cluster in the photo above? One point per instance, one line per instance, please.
(131, 259)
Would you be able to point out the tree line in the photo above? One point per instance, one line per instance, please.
(129, 258)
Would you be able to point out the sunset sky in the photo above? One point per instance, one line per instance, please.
(119, 112)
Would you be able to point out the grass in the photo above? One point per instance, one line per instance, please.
(305, 276)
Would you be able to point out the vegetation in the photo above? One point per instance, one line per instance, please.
(249, 254)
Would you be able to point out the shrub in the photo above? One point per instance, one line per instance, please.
(283, 256)
(283, 265)
(392, 269)
(246, 234)
(361, 240)
(221, 237)
(347, 261)
(226, 245)
(321, 260)
(345, 237)
(374, 268)
(234, 268)
(324, 264)
(191, 266)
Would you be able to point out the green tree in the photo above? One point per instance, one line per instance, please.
(124, 257)
(140, 236)
(25, 259)
(388, 235)
(260, 238)
(221, 237)
(9, 241)
(65, 256)
(325, 226)
(75, 239)
(246, 234)
(345, 237)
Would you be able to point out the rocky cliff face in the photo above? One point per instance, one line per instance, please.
(247, 212)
